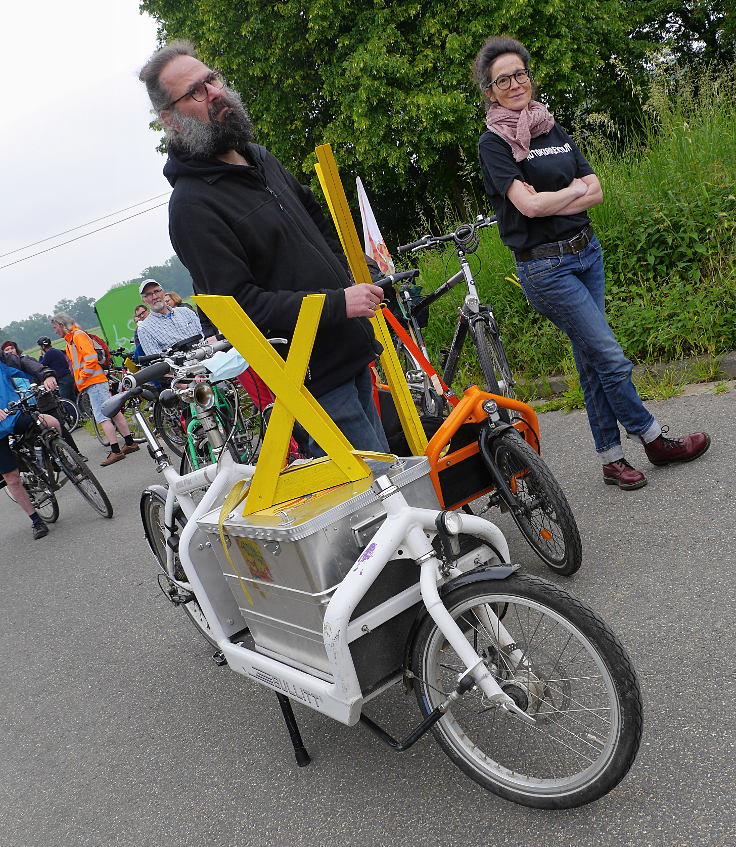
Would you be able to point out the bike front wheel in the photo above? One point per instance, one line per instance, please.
(152, 513)
(539, 505)
(493, 363)
(561, 665)
(39, 489)
(81, 477)
(169, 426)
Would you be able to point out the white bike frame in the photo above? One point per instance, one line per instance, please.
(406, 533)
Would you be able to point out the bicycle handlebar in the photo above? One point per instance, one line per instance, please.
(460, 236)
(392, 279)
(163, 367)
(178, 347)
(149, 374)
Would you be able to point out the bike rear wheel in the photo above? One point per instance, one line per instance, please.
(68, 413)
(543, 514)
(81, 477)
(152, 515)
(561, 665)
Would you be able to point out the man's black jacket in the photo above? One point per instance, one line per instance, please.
(257, 234)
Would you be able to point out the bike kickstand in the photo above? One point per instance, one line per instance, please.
(300, 752)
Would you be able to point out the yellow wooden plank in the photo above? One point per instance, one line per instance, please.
(328, 197)
(338, 205)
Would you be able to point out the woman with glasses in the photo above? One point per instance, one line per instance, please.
(540, 187)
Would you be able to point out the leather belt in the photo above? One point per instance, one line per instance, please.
(557, 248)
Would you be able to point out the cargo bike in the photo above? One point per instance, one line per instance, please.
(329, 596)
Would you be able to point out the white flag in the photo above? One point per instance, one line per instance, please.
(375, 246)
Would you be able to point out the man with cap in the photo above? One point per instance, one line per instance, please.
(164, 326)
(56, 360)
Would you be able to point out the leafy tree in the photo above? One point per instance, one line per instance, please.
(388, 83)
(82, 310)
(172, 276)
(694, 31)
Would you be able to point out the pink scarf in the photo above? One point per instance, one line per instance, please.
(518, 128)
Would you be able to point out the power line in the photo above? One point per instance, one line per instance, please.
(81, 226)
(99, 229)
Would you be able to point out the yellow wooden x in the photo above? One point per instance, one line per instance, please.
(269, 484)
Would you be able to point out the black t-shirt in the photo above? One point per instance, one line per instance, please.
(553, 162)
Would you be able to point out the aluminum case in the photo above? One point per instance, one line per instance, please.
(291, 558)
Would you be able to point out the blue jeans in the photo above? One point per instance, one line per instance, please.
(570, 291)
(351, 407)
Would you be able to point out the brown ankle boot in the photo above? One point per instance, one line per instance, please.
(663, 450)
(622, 474)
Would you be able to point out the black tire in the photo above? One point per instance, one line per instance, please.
(152, 515)
(168, 425)
(85, 407)
(493, 363)
(81, 477)
(99, 434)
(68, 414)
(540, 508)
(562, 666)
(40, 489)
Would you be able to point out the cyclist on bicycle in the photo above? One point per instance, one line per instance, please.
(20, 367)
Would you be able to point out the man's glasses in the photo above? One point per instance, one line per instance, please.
(503, 82)
(198, 92)
(151, 293)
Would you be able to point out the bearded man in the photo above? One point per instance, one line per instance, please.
(244, 226)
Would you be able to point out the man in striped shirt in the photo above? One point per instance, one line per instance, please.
(163, 326)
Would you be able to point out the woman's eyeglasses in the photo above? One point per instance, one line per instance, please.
(503, 82)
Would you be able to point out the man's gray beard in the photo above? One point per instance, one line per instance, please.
(201, 140)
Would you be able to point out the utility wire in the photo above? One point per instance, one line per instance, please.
(99, 229)
(81, 226)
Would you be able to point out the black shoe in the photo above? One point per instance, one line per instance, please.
(39, 530)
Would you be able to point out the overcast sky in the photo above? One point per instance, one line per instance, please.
(75, 146)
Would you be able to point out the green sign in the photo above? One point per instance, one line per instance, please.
(115, 312)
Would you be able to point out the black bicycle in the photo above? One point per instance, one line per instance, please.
(474, 318)
(46, 462)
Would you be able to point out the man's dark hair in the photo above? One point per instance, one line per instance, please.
(492, 48)
(151, 71)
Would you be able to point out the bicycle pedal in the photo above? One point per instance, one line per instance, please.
(180, 598)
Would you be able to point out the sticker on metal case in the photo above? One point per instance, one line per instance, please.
(253, 558)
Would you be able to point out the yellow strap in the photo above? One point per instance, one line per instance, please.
(235, 497)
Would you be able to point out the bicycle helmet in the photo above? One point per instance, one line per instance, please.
(44, 340)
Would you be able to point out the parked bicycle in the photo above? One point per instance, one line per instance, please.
(474, 318)
(176, 417)
(46, 462)
(332, 597)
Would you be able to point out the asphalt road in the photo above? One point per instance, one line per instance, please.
(118, 729)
